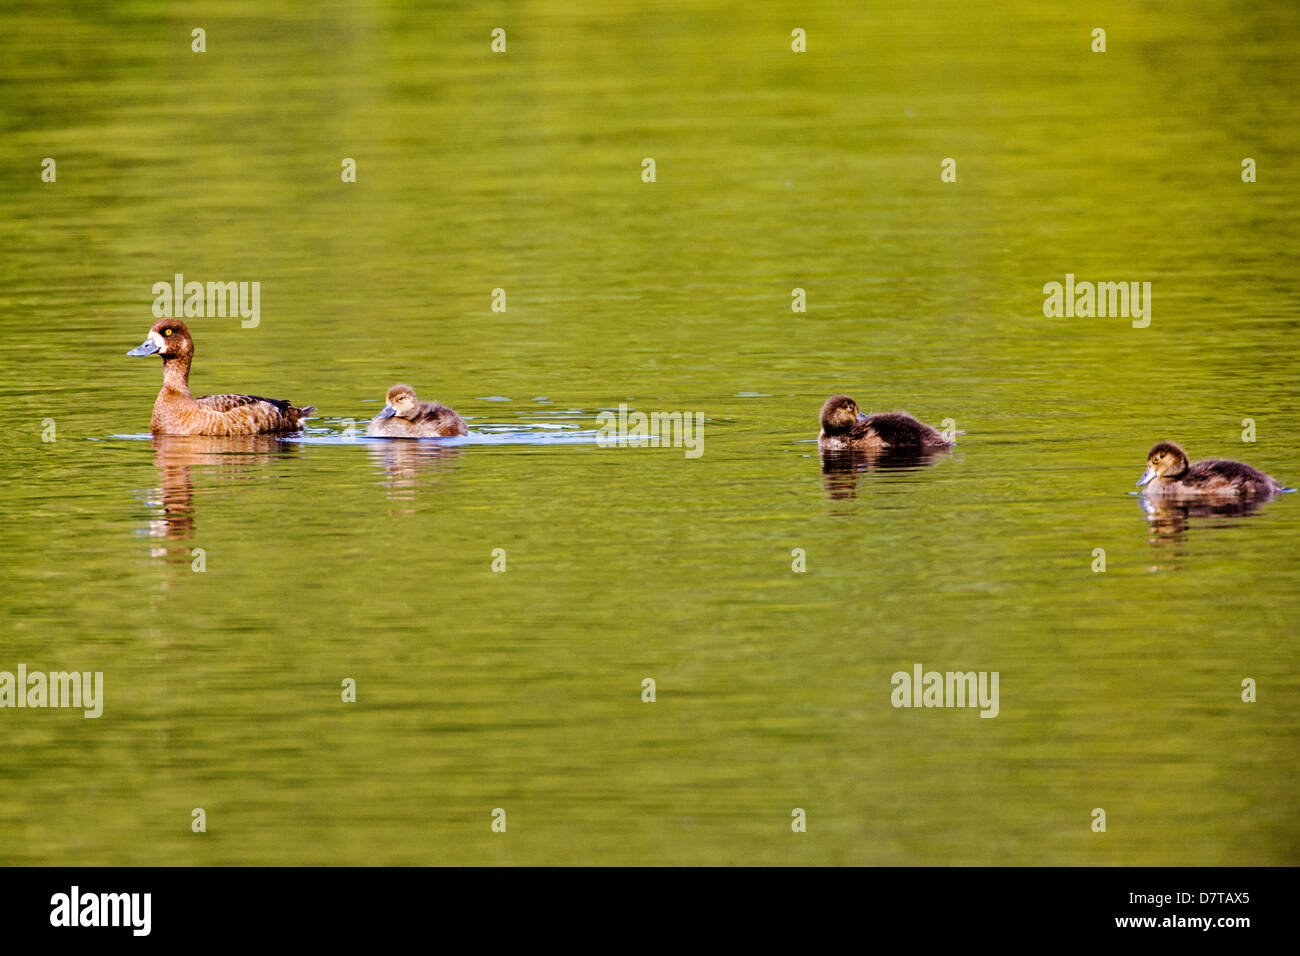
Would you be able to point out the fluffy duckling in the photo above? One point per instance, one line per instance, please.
(844, 427)
(177, 412)
(405, 416)
(1170, 475)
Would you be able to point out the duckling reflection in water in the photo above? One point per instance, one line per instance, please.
(841, 468)
(845, 427)
(403, 461)
(1169, 475)
(223, 457)
(405, 416)
(1170, 518)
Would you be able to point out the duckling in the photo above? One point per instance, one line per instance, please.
(177, 412)
(844, 427)
(1168, 474)
(405, 416)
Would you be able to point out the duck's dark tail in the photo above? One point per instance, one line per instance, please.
(301, 413)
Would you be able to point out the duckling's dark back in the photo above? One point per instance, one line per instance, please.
(1215, 474)
(901, 430)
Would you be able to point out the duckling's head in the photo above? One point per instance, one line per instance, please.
(400, 401)
(839, 414)
(168, 338)
(1165, 460)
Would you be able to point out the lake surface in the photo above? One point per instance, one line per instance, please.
(333, 557)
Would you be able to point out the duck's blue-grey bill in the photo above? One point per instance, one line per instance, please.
(144, 348)
(388, 412)
(1146, 476)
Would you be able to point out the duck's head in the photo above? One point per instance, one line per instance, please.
(400, 401)
(1165, 460)
(168, 338)
(839, 414)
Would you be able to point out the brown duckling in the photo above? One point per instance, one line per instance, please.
(844, 427)
(405, 416)
(177, 412)
(1170, 475)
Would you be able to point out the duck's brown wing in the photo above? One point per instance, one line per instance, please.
(251, 414)
(224, 403)
(897, 429)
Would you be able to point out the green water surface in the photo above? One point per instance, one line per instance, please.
(329, 559)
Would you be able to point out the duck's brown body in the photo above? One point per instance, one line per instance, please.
(1170, 475)
(177, 412)
(846, 428)
(405, 416)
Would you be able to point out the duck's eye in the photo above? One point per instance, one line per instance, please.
(167, 331)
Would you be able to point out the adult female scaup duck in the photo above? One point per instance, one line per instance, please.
(405, 416)
(844, 427)
(177, 412)
(1170, 475)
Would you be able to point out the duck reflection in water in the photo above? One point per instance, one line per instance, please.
(403, 459)
(841, 468)
(1169, 519)
(237, 457)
